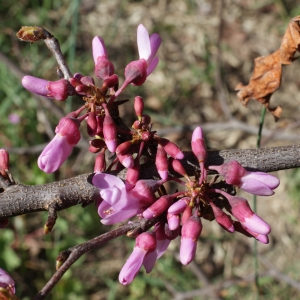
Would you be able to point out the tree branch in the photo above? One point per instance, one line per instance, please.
(21, 199)
(70, 256)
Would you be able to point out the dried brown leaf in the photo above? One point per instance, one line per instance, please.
(266, 77)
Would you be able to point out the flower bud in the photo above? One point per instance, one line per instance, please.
(190, 233)
(58, 90)
(91, 123)
(222, 218)
(158, 207)
(198, 144)
(241, 210)
(111, 81)
(136, 72)
(109, 131)
(138, 106)
(4, 162)
(161, 161)
(178, 167)
(173, 221)
(132, 175)
(123, 148)
(100, 164)
(126, 160)
(170, 148)
(179, 206)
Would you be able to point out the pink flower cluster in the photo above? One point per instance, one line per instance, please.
(99, 106)
(180, 213)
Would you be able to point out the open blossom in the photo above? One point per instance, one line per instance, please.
(117, 204)
(257, 183)
(136, 72)
(6, 283)
(145, 244)
(58, 150)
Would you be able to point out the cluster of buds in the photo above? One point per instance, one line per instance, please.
(177, 214)
(180, 213)
(100, 108)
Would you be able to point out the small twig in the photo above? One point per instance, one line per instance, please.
(73, 254)
(53, 45)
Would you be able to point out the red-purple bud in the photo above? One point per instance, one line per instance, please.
(104, 68)
(132, 175)
(222, 218)
(100, 164)
(179, 206)
(147, 136)
(123, 148)
(198, 145)
(158, 207)
(138, 106)
(91, 124)
(178, 167)
(111, 81)
(187, 213)
(146, 241)
(96, 145)
(170, 148)
(137, 124)
(232, 172)
(173, 221)
(136, 72)
(109, 131)
(146, 119)
(126, 160)
(100, 120)
(161, 162)
(4, 162)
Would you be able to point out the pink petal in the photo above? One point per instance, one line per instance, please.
(132, 266)
(257, 224)
(152, 65)
(187, 250)
(149, 261)
(143, 42)
(256, 187)
(155, 42)
(98, 48)
(55, 154)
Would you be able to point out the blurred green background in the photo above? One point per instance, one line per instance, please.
(207, 48)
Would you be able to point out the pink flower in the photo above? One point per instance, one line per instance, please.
(145, 244)
(58, 150)
(7, 282)
(241, 210)
(136, 72)
(58, 90)
(103, 67)
(257, 183)
(119, 205)
(190, 233)
(148, 47)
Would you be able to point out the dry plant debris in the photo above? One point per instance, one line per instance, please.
(266, 77)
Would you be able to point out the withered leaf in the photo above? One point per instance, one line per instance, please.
(266, 77)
